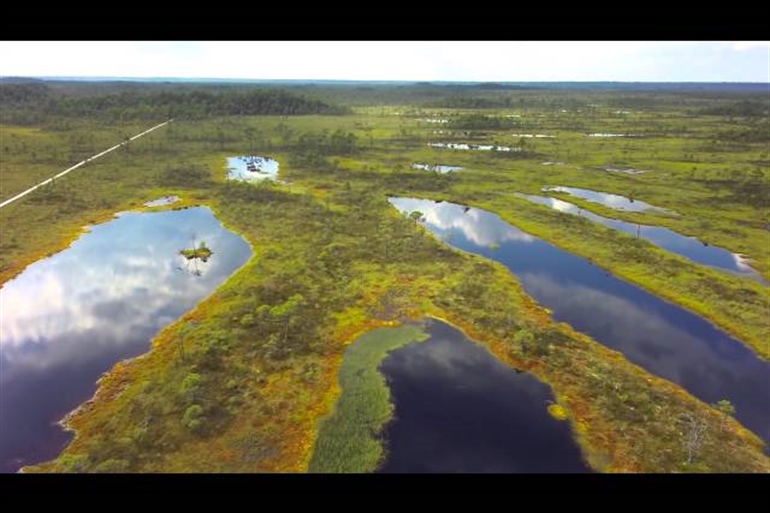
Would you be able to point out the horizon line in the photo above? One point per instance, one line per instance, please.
(412, 81)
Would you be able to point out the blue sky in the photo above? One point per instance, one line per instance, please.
(726, 61)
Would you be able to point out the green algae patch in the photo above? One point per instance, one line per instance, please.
(348, 439)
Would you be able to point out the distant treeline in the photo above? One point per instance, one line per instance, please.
(481, 121)
(744, 108)
(34, 102)
(476, 102)
(757, 131)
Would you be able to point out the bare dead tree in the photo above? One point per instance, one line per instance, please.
(695, 432)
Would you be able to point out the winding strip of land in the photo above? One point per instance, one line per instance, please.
(82, 162)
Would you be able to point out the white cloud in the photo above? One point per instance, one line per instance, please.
(478, 226)
(106, 290)
(393, 60)
(751, 45)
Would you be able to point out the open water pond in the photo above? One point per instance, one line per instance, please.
(688, 247)
(67, 319)
(252, 168)
(460, 409)
(437, 167)
(664, 338)
(165, 200)
(468, 146)
(607, 199)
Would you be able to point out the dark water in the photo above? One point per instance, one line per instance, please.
(69, 318)
(688, 247)
(459, 409)
(607, 199)
(661, 337)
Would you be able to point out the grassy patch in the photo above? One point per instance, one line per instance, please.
(348, 438)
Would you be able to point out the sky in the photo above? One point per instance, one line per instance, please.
(642, 61)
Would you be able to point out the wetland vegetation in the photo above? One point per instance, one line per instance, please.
(265, 369)
(201, 251)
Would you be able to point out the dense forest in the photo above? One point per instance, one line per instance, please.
(28, 103)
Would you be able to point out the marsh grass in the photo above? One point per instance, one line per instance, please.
(350, 437)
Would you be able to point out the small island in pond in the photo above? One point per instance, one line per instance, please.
(202, 251)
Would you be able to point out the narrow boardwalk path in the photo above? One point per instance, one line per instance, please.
(89, 159)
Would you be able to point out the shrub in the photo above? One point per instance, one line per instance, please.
(191, 385)
(74, 462)
(112, 466)
(193, 417)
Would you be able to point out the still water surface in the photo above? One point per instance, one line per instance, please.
(252, 168)
(69, 318)
(607, 199)
(688, 247)
(665, 339)
(460, 409)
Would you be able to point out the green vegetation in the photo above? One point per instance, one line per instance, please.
(332, 260)
(482, 121)
(349, 437)
(29, 103)
(738, 305)
(266, 388)
(201, 251)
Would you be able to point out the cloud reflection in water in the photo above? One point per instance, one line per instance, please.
(68, 318)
